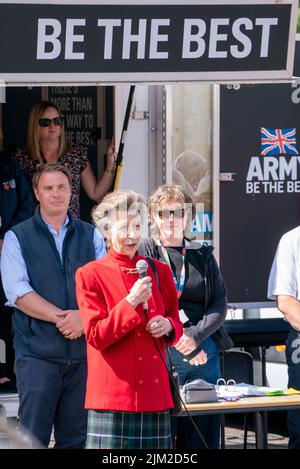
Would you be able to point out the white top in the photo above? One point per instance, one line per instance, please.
(284, 277)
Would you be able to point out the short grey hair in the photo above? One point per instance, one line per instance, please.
(120, 203)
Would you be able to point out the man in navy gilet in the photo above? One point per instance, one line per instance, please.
(39, 259)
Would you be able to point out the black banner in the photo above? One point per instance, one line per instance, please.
(260, 144)
(79, 107)
(199, 40)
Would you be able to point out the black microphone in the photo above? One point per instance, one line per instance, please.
(142, 267)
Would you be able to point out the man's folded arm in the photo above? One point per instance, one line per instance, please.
(35, 306)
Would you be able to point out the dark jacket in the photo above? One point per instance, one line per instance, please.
(54, 281)
(15, 195)
(215, 303)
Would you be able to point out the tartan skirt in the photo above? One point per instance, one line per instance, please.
(128, 430)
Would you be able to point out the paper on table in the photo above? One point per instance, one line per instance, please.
(228, 392)
(291, 391)
(252, 390)
(244, 389)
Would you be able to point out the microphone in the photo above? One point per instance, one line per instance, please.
(142, 267)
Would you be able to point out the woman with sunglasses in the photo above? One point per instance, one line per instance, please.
(46, 143)
(202, 302)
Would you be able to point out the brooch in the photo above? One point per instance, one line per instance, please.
(8, 185)
(129, 270)
(132, 271)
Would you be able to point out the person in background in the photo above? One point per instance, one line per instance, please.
(46, 143)
(15, 206)
(284, 287)
(38, 263)
(128, 392)
(202, 302)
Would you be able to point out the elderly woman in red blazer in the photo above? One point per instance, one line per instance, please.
(128, 393)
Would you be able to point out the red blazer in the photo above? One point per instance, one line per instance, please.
(125, 371)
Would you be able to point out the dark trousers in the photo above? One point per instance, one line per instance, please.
(52, 394)
(293, 362)
(183, 430)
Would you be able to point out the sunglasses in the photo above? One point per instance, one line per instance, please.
(45, 122)
(165, 213)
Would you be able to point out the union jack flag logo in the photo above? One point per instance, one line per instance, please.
(278, 141)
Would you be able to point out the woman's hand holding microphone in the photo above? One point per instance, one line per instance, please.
(141, 291)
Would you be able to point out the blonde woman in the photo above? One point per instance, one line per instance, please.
(128, 393)
(46, 143)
